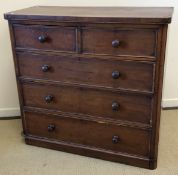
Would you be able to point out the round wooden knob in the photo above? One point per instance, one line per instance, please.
(115, 106)
(49, 98)
(115, 74)
(45, 68)
(115, 43)
(115, 139)
(42, 38)
(51, 127)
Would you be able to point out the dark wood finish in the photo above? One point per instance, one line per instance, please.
(95, 14)
(137, 42)
(54, 37)
(88, 117)
(95, 70)
(133, 75)
(90, 102)
(88, 133)
(157, 102)
(89, 151)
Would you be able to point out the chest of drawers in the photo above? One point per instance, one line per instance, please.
(90, 79)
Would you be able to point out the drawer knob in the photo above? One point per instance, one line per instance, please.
(45, 68)
(115, 75)
(115, 106)
(51, 127)
(115, 139)
(42, 38)
(115, 43)
(49, 98)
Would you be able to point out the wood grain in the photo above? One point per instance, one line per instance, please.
(90, 79)
(89, 133)
(138, 76)
(136, 42)
(95, 14)
(135, 108)
(57, 38)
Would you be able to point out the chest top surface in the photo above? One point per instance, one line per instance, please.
(140, 15)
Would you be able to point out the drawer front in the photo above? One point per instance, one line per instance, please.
(130, 75)
(45, 37)
(106, 104)
(135, 42)
(83, 132)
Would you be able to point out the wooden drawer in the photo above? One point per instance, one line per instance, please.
(130, 75)
(90, 133)
(91, 76)
(118, 106)
(135, 42)
(45, 37)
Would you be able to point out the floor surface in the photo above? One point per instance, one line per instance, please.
(17, 158)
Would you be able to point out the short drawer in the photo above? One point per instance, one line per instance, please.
(45, 37)
(88, 133)
(131, 75)
(134, 42)
(99, 103)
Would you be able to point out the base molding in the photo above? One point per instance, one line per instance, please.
(133, 160)
(9, 112)
(169, 103)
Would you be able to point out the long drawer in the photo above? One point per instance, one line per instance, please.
(83, 132)
(132, 75)
(99, 103)
(54, 38)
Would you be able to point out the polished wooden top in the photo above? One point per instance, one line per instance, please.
(94, 14)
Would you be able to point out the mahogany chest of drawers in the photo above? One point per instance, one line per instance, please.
(90, 79)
